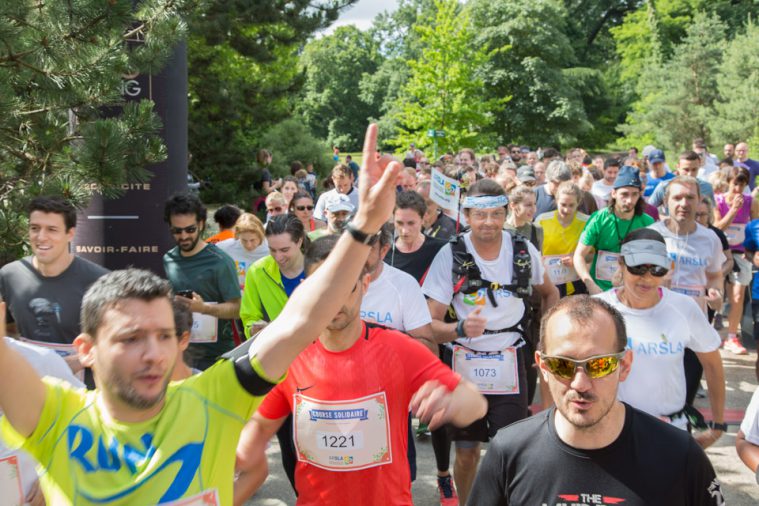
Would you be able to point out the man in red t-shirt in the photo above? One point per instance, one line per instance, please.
(349, 393)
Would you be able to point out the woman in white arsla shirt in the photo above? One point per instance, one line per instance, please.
(660, 325)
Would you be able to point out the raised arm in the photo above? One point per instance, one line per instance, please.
(316, 301)
(22, 394)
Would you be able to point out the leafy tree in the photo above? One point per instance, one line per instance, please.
(444, 92)
(334, 67)
(545, 107)
(679, 96)
(738, 105)
(291, 140)
(244, 75)
(64, 126)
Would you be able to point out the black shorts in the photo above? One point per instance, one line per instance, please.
(503, 410)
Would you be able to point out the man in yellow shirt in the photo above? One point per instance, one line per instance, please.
(138, 439)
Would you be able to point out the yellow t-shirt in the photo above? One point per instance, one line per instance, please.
(187, 450)
(558, 240)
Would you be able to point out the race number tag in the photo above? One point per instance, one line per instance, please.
(10, 482)
(342, 435)
(558, 272)
(696, 292)
(735, 233)
(206, 498)
(607, 265)
(204, 328)
(493, 373)
(63, 350)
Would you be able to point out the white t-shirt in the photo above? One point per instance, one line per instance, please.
(694, 255)
(658, 337)
(750, 423)
(395, 300)
(602, 191)
(242, 257)
(46, 363)
(438, 285)
(321, 204)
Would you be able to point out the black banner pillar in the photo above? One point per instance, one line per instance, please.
(130, 231)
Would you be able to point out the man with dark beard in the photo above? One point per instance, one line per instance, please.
(204, 278)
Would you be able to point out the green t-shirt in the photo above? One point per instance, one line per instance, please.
(186, 450)
(605, 231)
(212, 274)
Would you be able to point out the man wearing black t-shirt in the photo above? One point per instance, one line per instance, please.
(595, 449)
(412, 251)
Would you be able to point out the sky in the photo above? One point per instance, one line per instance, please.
(362, 13)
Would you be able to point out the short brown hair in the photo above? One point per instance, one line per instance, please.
(582, 309)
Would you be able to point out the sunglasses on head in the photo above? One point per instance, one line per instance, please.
(187, 230)
(641, 270)
(304, 208)
(595, 367)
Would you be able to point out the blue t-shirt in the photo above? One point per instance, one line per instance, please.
(653, 182)
(291, 284)
(753, 171)
(751, 243)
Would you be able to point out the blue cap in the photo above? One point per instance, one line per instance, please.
(627, 176)
(656, 156)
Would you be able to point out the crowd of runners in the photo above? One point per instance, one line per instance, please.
(564, 312)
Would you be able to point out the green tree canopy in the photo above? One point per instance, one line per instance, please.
(61, 68)
(444, 91)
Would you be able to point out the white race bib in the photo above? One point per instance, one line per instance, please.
(735, 233)
(559, 273)
(607, 265)
(63, 350)
(342, 435)
(204, 328)
(11, 492)
(696, 292)
(206, 498)
(492, 373)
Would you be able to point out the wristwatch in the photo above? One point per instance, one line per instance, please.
(361, 236)
(717, 426)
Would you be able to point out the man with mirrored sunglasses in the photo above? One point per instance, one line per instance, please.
(595, 448)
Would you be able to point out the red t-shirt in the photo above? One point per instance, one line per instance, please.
(375, 380)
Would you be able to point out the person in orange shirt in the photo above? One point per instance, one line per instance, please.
(226, 217)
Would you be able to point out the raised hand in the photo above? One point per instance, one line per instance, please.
(376, 185)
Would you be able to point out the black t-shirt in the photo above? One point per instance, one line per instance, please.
(419, 261)
(650, 463)
(444, 228)
(263, 176)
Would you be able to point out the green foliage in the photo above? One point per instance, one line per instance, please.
(678, 97)
(244, 76)
(291, 140)
(61, 68)
(738, 83)
(444, 91)
(334, 67)
(545, 108)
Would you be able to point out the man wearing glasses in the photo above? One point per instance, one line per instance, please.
(596, 449)
(203, 278)
(485, 345)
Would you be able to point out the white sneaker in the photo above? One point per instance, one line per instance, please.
(734, 346)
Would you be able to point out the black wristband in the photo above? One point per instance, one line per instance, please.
(360, 235)
(460, 328)
(718, 426)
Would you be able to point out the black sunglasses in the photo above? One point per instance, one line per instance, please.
(641, 270)
(304, 208)
(187, 230)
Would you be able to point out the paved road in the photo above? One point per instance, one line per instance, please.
(738, 482)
